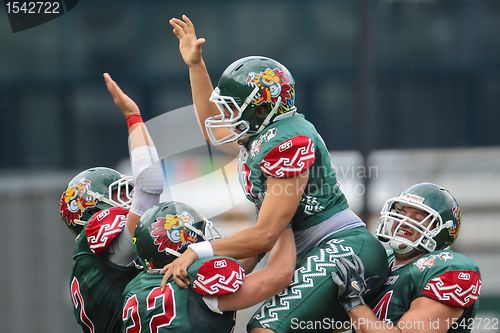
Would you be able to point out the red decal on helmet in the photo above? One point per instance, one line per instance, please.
(272, 84)
(219, 277)
(455, 288)
(290, 158)
(104, 227)
(457, 213)
(169, 232)
(74, 201)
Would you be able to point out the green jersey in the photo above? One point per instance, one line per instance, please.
(149, 310)
(96, 289)
(287, 148)
(448, 277)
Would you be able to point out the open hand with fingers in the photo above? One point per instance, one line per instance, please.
(350, 280)
(126, 105)
(177, 269)
(189, 44)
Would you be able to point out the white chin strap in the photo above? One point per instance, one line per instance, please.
(102, 198)
(399, 247)
(79, 222)
(267, 121)
(172, 252)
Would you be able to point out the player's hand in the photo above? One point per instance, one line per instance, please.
(189, 44)
(350, 280)
(178, 269)
(126, 105)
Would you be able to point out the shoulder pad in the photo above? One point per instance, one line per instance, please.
(218, 277)
(449, 278)
(457, 288)
(289, 158)
(104, 227)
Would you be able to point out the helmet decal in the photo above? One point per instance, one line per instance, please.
(412, 197)
(457, 213)
(75, 201)
(272, 84)
(170, 232)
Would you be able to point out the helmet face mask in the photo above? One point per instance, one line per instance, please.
(91, 191)
(229, 119)
(437, 230)
(251, 93)
(393, 224)
(120, 192)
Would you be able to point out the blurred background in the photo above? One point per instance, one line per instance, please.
(402, 91)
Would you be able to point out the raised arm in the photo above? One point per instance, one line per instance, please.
(190, 48)
(144, 158)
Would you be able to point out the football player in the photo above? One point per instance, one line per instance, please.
(97, 205)
(429, 287)
(286, 171)
(219, 285)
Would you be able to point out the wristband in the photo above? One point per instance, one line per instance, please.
(134, 119)
(202, 249)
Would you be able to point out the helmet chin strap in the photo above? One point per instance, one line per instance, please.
(102, 198)
(196, 231)
(79, 222)
(267, 121)
(396, 246)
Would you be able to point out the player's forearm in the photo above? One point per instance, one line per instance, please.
(365, 321)
(138, 136)
(283, 256)
(260, 238)
(247, 243)
(201, 89)
(249, 264)
(258, 287)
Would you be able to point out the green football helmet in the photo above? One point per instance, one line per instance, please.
(438, 230)
(252, 93)
(166, 230)
(91, 191)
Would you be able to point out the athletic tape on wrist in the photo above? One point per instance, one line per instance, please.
(134, 119)
(202, 249)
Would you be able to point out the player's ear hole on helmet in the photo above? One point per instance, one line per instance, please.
(240, 128)
(260, 110)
